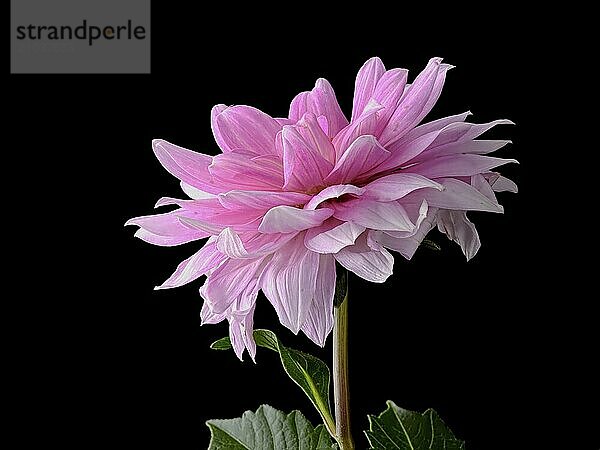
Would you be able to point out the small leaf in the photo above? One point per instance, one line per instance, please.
(308, 372)
(221, 344)
(268, 429)
(431, 245)
(399, 429)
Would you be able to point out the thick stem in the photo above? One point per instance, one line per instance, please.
(341, 393)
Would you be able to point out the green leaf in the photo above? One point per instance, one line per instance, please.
(399, 429)
(268, 429)
(308, 372)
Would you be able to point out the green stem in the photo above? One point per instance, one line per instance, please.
(341, 393)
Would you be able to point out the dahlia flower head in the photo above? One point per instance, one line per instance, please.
(288, 197)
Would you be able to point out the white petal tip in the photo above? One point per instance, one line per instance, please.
(157, 143)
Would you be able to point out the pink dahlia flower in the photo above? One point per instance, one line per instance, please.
(287, 198)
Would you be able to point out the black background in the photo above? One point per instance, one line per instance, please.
(502, 347)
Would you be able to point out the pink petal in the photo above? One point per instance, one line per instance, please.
(330, 192)
(365, 124)
(194, 193)
(261, 200)
(459, 229)
(364, 154)
(390, 216)
(315, 136)
(241, 321)
(200, 263)
(409, 150)
(289, 282)
(216, 110)
(321, 101)
(366, 81)
(187, 165)
(332, 236)
(326, 104)
(319, 320)
(201, 225)
(284, 121)
(458, 165)
(229, 243)
(229, 280)
(303, 165)
(236, 170)
(408, 245)
(456, 195)
(372, 265)
(417, 214)
(299, 106)
(480, 147)
(396, 186)
(388, 94)
(458, 136)
(165, 241)
(209, 317)
(287, 219)
(247, 128)
(480, 183)
(435, 125)
(503, 184)
(165, 229)
(417, 101)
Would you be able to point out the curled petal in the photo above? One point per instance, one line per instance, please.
(372, 265)
(287, 219)
(330, 192)
(480, 183)
(406, 246)
(501, 184)
(332, 236)
(459, 229)
(387, 216)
